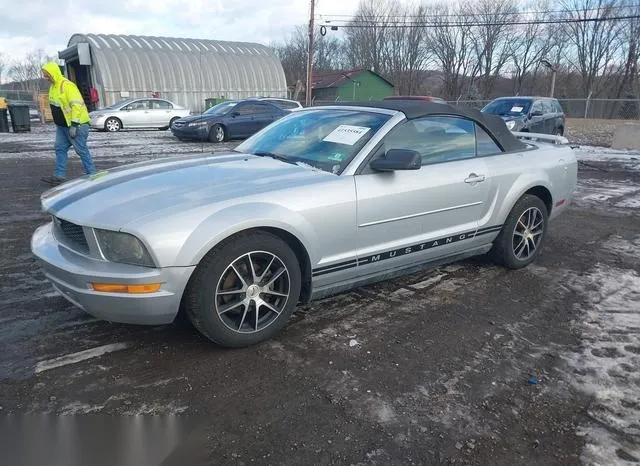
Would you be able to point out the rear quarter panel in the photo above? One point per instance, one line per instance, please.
(553, 167)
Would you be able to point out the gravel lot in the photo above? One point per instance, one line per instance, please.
(466, 364)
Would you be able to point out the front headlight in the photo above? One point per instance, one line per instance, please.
(198, 123)
(511, 124)
(123, 247)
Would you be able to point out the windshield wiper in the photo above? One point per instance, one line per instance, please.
(282, 158)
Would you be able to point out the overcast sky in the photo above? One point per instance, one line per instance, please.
(48, 24)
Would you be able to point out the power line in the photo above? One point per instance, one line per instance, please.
(423, 24)
(505, 13)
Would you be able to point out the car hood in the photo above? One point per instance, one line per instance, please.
(117, 197)
(189, 119)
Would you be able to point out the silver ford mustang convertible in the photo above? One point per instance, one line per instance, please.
(320, 201)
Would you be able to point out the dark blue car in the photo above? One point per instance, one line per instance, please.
(234, 119)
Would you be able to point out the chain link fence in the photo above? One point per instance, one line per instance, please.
(604, 109)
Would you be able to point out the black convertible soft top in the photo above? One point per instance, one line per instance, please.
(413, 109)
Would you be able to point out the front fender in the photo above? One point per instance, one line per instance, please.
(234, 219)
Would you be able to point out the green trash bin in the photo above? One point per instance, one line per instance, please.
(20, 118)
(4, 121)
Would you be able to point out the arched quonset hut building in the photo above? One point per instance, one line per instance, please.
(186, 71)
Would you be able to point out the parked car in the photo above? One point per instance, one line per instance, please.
(137, 114)
(287, 104)
(233, 119)
(424, 98)
(322, 200)
(529, 114)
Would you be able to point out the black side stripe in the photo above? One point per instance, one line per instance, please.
(403, 251)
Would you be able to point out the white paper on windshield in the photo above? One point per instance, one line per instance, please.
(516, 109)
(346, 134)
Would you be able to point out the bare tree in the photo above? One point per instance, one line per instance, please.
(367, 36)
(593, 42)
(405, 51)
(490, 39)
(327, 55)
(451, 47)
(3, 65)
(530, 44)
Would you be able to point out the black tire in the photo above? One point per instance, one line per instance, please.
(505, 250)
(239, 326)
(112, 125)
(218, 133)
(171, 122)
(559, 131)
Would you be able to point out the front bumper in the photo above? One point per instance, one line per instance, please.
(97, 122)
(71, 273)
(194, 133)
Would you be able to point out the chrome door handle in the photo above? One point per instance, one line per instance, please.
(473, 178)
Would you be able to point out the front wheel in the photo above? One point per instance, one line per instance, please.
(112, 125)
(217, 133)
(244, 290)
(522, 235)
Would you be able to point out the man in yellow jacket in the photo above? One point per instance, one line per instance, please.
(72, 123)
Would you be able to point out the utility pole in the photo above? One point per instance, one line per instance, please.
(310, 56)
(554, 70)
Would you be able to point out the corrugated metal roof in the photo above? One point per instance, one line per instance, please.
(183, 70)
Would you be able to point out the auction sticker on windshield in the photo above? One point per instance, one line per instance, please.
(516, 109)
(346, 134)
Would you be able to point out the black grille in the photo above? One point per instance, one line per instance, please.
(73, 235)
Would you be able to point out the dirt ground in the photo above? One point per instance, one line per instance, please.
(467, 364)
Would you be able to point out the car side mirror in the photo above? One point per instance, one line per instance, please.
(235, 114)
(536, 113)
(398, 159)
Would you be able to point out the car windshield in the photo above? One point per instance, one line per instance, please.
(508, 107)
(324, 138)
(221, 108)
(118, 104)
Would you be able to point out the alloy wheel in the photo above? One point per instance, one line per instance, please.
(252, 292)
(113, 125)
(219, 134)
(527, 233)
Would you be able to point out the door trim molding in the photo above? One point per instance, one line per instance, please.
(421, 214)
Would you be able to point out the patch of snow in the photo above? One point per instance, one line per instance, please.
(80, 408)
(603, 154)
(632, 202)
(591, 192)
(607, 365)
(156, 408)
(428, 282)
(353, 343)
(78, 357)
(622, 246)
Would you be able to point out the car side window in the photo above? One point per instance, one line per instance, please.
(557, 106)
(537, 107)
(547, 107)
(485, 145)
(161, 104)
(248, 109)
(437, 139)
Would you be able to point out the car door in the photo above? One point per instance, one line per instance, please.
(241, 120)
(161, 111)
(536, 118)
(549, 116)
(411, 216)
(265, 115)
(137, 114)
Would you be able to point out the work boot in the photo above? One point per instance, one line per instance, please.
(53, 180)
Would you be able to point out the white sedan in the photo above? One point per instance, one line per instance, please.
(137, 114)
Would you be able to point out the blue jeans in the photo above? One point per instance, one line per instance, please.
(79, 143)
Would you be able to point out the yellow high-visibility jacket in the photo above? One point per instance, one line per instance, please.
(65, 100)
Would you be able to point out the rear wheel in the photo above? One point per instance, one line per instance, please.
(173, 120)
(522, 235)
(244, 290)
(217, 133)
